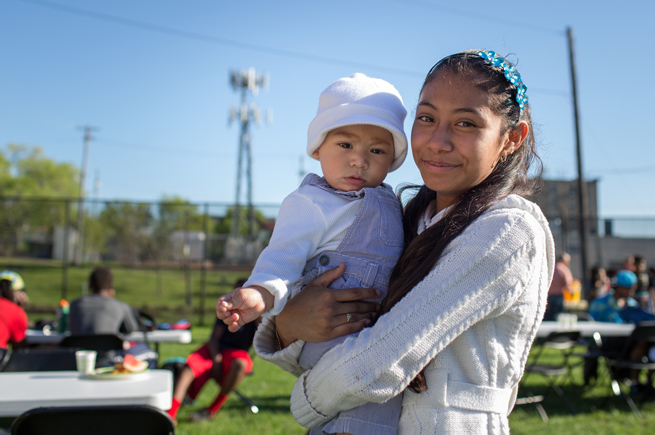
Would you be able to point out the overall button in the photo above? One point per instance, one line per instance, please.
(324, 260)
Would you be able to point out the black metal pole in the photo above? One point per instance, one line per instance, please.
(203, 265)
(582, 191)
(64, 262)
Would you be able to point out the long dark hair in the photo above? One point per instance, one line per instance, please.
(421, 252)
(5, 289)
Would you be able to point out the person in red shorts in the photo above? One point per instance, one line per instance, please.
(13, 320)
(223, 358)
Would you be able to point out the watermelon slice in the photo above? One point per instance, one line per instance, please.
(134, 365)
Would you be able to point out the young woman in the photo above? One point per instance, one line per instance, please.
(467, 296)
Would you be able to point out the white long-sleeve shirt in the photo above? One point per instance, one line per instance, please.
(470, 322)
(310, 221)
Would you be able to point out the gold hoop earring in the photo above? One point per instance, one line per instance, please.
(503, 158)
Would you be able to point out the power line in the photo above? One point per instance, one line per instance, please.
(484, 17)
(629, 192)
(214, 39)
(185, 151)
(268, 50)
(162, 150)
(620, 171)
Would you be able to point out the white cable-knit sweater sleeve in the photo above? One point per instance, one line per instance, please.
(265, 344)
(481, 273)
(299, 230)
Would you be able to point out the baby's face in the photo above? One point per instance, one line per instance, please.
(356, 156)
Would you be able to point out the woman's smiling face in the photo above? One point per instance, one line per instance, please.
(457, 139)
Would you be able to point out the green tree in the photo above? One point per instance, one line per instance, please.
(224, 226)
(128, 227)
(223, 229)
(95, 236)
(176, 213)
(38, 175)
(26, 173)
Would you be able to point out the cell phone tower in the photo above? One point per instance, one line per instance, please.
(246, 81)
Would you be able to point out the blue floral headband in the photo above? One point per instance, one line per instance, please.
(511, 74)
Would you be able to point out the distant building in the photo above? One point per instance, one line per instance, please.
(610, 240)
(558, 199)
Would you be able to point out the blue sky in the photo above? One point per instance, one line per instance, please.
(152, 76)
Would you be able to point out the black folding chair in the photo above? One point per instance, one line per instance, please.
(146, 323)
(41, 359)
(620, 366)
(585, 317)
(590, 358)
(96, 420)
(535, 400)
(565, 342)
(106, 345)
(4, 357)
(97, 342)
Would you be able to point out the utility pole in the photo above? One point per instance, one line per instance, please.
(96, 191)
(582, 187)
(246, 81)
(87, 129)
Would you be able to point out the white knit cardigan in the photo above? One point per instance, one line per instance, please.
(470, 323)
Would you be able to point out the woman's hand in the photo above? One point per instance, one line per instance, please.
(318, 313)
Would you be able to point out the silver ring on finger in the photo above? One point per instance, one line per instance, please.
(348, 317)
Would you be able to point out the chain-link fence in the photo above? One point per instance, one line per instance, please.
(134, 233)
(192, 238)
(199, 238)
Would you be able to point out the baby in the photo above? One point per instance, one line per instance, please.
(347, 216)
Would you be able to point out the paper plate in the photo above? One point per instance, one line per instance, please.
(105, 373)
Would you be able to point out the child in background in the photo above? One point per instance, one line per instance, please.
(13, 319)
(347, 216)
(223, 358)
(18, 286)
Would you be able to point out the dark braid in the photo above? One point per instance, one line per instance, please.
(421, 252)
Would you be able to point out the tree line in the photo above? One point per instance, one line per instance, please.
(38, 195)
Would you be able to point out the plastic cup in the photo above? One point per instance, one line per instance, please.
(86, 361)
(561, 319)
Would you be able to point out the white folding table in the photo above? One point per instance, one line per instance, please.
(22, 391)
(587, 329)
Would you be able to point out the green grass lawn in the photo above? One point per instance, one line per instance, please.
(594, 415)
(270, 387)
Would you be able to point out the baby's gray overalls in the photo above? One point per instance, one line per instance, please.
(370, 250)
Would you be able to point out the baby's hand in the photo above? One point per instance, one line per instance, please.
(243, 305)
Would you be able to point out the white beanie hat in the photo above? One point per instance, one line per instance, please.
(359, 99)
